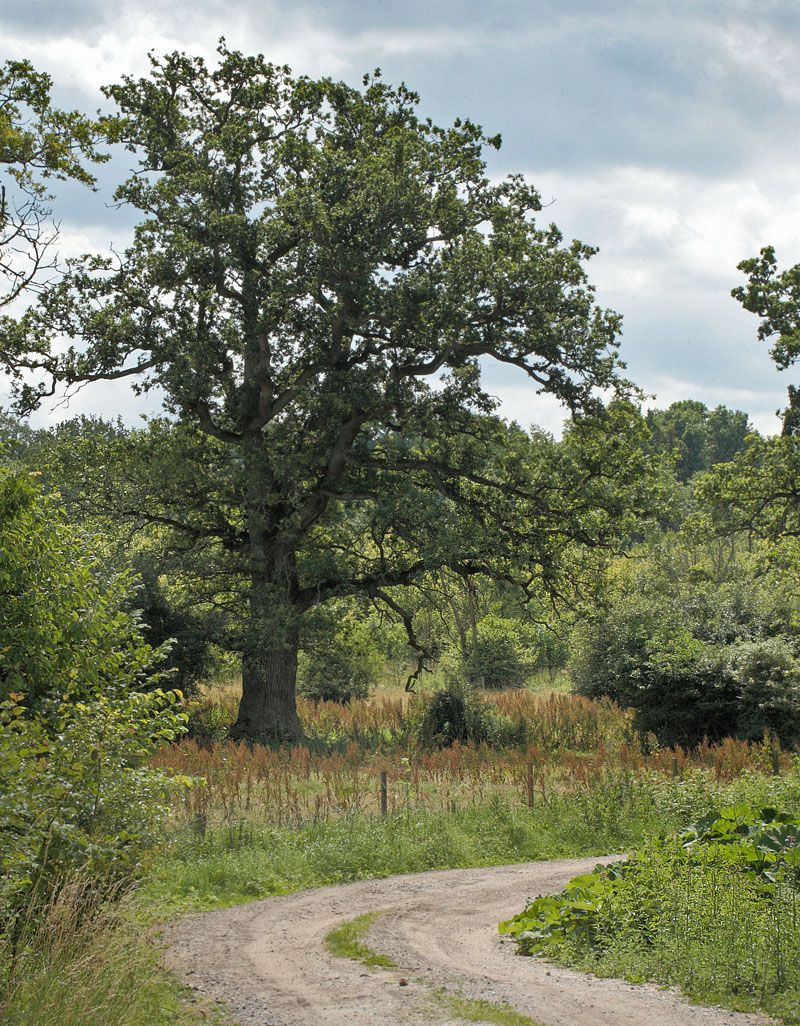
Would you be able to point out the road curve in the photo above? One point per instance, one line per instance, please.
(268, 963)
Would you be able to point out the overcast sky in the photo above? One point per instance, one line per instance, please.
(667, 136)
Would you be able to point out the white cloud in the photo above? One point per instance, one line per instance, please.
(522, 404)
(296, 37)
(649, 223)
(765, 52)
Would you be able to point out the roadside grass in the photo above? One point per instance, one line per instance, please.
(229, 867)
(715, 912)
(702, 925)
(88, 965)
(245, 860)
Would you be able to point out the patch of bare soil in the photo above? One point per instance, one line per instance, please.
(268, 963)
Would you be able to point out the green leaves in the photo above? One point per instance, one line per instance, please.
(775, 297)
(766, 843)
(596, 907)
(65, 631)
(76, 793)
(573, 914)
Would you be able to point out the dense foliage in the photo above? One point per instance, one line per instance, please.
(697, 653)
(75, 729)
(78, 795)
(66, 627)
(714, 909)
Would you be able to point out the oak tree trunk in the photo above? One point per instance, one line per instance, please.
(268, 708)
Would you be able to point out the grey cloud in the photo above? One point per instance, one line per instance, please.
(634, 83)
(52, 18)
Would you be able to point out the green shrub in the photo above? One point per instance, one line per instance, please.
(642, 654)
(497, 658)
(714, 910)
(66, 630)
(77, 794)
(75, 728)
(340, 660)
(768, 678)
(700, 661)
(456, 713)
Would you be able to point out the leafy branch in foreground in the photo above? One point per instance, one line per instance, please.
(75, 728)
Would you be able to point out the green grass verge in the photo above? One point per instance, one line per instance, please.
(347, 941)
(96, 973)
(702, 924)
(230, 867)
(245, 861)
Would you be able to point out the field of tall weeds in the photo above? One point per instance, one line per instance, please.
(554, 744)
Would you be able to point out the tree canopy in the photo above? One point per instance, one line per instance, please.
(318, 274)
(775, 296)
(759, 491)
(697, 436)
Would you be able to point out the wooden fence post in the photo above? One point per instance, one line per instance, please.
(674, 767)
(530, 785)
(384, 793)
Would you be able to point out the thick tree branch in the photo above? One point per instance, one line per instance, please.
(207, 425)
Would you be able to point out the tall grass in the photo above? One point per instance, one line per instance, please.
(86, 964)
(242, 860)
(561, 744)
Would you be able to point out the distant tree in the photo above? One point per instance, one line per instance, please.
(695, 654)
(700, 437)
(319, 274)
(17, 438)
(759, 492)
(726, 435)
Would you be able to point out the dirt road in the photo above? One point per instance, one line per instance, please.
(268, 962)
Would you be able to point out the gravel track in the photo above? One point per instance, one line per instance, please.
(268, 963)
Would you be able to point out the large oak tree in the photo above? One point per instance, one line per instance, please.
(318, 275)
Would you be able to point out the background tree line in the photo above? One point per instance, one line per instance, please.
(693, 625)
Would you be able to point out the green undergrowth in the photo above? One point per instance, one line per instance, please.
(244, 861)
(714, 910)
(228, 868)
(348, 941)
